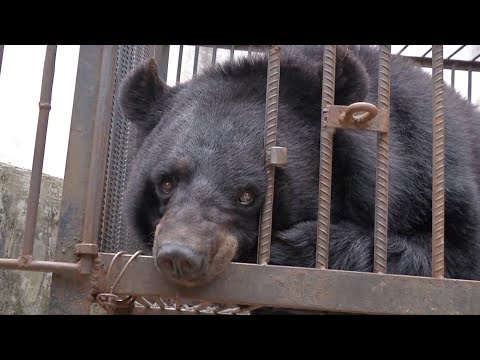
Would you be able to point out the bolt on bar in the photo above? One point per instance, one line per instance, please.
(39, 151)
(381, 196)
(326, 154)
(271, 116)
(438, 202)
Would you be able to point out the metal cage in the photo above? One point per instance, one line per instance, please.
(96, 263)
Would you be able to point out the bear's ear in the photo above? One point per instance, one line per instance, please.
(351, 78)
(352, 82)
(141, 90)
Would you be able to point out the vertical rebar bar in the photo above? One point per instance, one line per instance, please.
(438, 199)
(271, 116)
(39, 150)
(326, 154)
(232, 52)
(381, 191)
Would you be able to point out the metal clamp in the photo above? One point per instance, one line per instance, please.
(277, 156)
(348, 117)
(86, 249)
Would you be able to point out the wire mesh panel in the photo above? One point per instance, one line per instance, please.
(114, 233)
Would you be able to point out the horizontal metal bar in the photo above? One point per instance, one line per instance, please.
(304, 288)
(448, 63)
(41, 266)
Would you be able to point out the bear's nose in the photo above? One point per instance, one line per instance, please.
(180, 262)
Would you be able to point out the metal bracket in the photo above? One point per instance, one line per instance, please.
(86, 249)
(277, 156)
(346, 117)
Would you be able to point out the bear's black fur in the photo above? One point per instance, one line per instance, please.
(207, 136)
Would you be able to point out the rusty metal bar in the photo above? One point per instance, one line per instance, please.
(381, 191)
(306, 288)
(462, 65)
(470, 85)
(271, 116)
(232, 52)
(195, 60)
(36, 265)
(456, 52)
(452, 79)
(326, 154)
(101, 126)
(179, 65)
(39, 151)
(249, 51)
(1, 57)
(438, 199)
(476, 57)
(71, 295)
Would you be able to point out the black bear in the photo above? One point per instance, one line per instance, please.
(198, 178)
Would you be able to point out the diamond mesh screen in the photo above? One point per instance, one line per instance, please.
(113, 236)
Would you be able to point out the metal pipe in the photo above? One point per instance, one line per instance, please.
(326, 154)
(271, 116)
(39, 151)
(381, 191)
(456, 52)
(438, 200)
(36, 265)
(402, 50)
(462, 65)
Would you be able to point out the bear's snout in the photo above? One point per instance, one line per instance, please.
(191, 250)
(180, 262)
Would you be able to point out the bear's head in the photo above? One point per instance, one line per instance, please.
(198, 180)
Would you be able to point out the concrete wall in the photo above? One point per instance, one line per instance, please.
(23, 292)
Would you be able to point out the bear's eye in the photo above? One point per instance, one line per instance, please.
(167, 185)
(246, 197)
